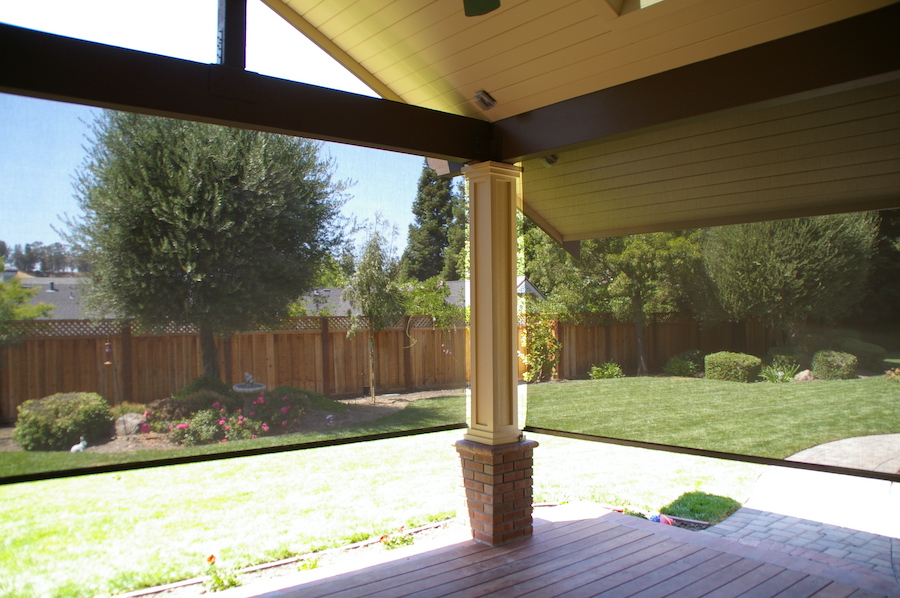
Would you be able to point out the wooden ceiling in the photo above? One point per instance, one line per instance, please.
(658, 115)
(533, 53)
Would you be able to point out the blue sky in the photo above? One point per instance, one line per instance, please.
(42, 142)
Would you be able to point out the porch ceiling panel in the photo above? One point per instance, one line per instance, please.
(833, 153)
(529, 54)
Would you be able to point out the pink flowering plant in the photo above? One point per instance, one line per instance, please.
(280, 412)
(212, 425)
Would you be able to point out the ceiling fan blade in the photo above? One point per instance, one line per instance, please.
(474, 8)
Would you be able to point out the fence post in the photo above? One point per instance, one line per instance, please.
(327, 359)
(407, 354)
(124, 367)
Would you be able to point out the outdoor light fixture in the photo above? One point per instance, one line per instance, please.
(484, 99)
(475, 8)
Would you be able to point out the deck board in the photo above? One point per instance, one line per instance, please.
(608, 556)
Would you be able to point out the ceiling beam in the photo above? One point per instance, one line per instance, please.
(857, 48)
(53, 67)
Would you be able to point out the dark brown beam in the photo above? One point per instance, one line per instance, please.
(837, 54)
(232, 37)
(58, 68)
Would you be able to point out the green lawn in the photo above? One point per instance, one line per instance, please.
(116, 532)
(770, 420)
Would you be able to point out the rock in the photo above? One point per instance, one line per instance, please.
(130, 423)
(804, 376)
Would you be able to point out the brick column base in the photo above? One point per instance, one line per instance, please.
(497, 483)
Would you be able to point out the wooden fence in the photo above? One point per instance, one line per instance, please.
(315, 354)
(592, 339)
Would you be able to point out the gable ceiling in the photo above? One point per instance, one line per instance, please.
(656, 115)
(533, 53)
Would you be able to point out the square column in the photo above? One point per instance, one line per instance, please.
(492, 295)
(495, 460)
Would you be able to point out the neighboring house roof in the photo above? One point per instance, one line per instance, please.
(327, 301)
(64, 294)
(331, 301)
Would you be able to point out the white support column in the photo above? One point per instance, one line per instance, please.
(493, 326)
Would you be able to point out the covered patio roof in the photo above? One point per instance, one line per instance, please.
(628, 116)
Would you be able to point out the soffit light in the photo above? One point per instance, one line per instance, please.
(475, 8)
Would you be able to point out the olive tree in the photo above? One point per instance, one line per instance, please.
(194, 224)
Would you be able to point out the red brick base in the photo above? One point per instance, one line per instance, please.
(496, 481)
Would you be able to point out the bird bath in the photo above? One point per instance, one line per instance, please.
(249, 390)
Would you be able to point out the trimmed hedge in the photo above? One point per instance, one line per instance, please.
(58, 422)
(734, 367)
(871, 357)
(834, 365)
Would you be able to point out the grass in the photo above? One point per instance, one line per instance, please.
(112, 533)
(770, 420)
(701, 506)
(567, 470)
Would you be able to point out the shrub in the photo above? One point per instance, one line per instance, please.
(201, 428)
(211, 425)
(278, 413)
(184, 407)
(206, 383)
(689, 363)
(541, 351)
(57, 422)
(811, 343)
(605, 371)
(734, 367)
(782, 369)
(834, 365)
(871, 357)
(783, 355)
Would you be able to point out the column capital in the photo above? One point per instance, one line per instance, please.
(491, 168)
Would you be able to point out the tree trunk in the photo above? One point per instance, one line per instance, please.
(639, 329)
(208, 352)
(372, 364)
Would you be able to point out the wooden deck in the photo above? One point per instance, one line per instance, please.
(607, 555)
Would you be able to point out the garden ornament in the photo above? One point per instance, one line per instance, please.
(79, 448)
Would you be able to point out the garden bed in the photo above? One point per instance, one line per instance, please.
(359, 410)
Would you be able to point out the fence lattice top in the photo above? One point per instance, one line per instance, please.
(81, 328)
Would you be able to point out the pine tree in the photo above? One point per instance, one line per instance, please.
(429, 235)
